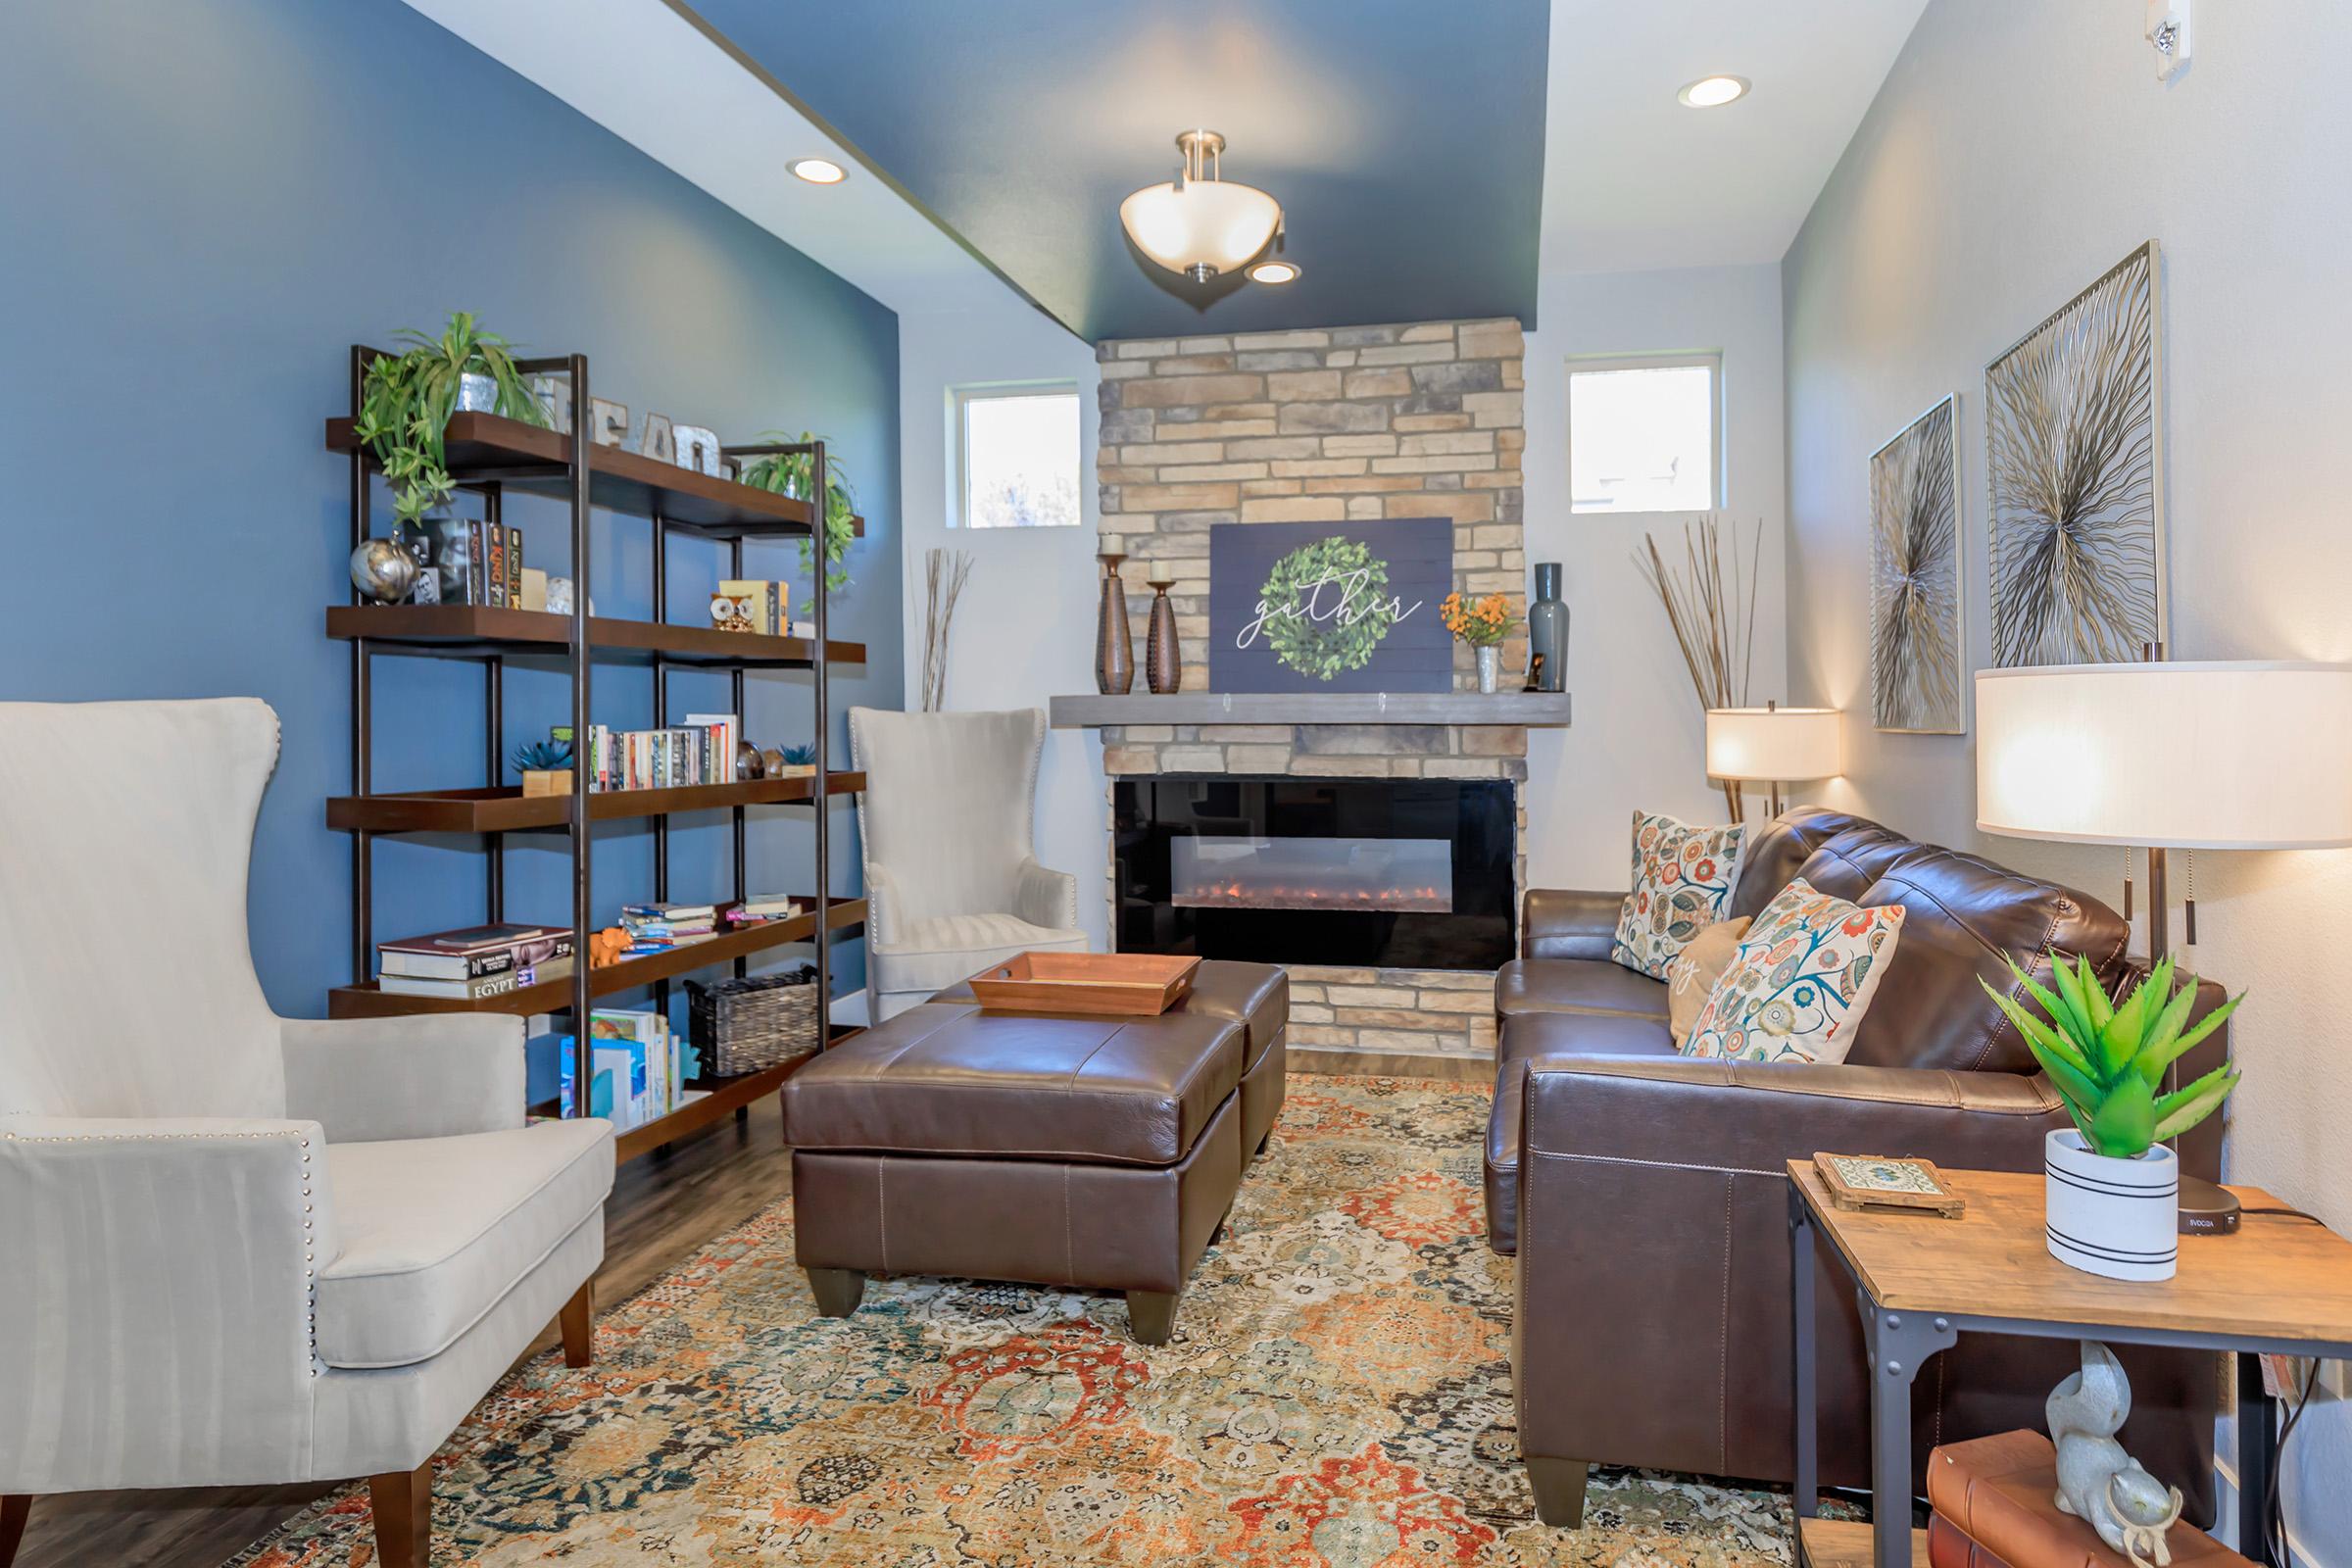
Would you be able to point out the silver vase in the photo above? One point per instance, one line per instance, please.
(1490, 668)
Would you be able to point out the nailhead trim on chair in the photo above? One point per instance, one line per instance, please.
(309, 1261)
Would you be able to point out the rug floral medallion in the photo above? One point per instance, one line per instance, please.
(1337, 1394)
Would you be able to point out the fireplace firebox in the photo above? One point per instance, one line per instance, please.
(1390, 873)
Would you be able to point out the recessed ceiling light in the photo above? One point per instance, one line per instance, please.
(818, 170)
(1713, 92)
(1274, 271)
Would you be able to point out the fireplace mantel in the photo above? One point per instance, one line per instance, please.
(1531, 709)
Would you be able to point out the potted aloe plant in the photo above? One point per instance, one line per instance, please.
(2112, 1194)
(408, 398)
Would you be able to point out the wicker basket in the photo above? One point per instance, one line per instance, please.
(741, 1026)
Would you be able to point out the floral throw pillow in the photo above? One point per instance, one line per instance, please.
(1683, 879)
(1801, 982)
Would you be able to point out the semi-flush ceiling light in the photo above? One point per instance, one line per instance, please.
(1274, 271)
(1199, 223)
(818, 170)
(1713, 92)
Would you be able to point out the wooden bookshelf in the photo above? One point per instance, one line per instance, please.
(480, 629)
(1847, 1544)
(505, 808)
(721, 1095)
(487, 447)
(367, 1000)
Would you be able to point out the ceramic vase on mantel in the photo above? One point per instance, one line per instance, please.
(1114, 644)
(1163, 662)
(2120, 1218)
(1547, 632)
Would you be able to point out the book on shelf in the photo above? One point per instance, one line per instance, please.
(1993, 1509)
(638, 1064)
(701, 751)
(514, 568)
(759, 909)
(496, 583)
(473, 990)
(471, 953)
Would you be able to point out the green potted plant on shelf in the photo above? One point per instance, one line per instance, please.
(789, 474)
(408, 398)
(2112, 1193)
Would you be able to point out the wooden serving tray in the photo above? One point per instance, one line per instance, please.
(1138, 985)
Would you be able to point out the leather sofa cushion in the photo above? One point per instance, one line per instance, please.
(437, 1230)
(1576, 985)
(946, 1078)
(1525, 1037)
(1255, 995)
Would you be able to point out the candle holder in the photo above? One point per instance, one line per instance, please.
(1164, 663)
(1114, 644)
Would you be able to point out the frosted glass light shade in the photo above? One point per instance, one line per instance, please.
(2219, 756)
(1209, 223)
(1775, 745)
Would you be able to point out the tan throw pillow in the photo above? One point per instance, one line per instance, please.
(1692, 974)
(1802, 978)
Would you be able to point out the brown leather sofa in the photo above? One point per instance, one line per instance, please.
(1645, 1197)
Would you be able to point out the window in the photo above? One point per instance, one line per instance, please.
(1017, 455)
(1644, 435)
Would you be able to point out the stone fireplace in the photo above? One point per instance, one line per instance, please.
(1336, 426)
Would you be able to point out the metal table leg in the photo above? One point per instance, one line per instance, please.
(2257, 1458)
(1801, 1386)
(1898, 1342)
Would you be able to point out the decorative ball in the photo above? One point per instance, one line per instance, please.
(773, 759)
(383, 570)
(748, 761)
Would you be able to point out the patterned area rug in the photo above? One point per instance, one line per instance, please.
(1338, 1393)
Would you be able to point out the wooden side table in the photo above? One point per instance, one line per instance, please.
(2281, 1285)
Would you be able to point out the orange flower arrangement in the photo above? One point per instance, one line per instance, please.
(1480, 623)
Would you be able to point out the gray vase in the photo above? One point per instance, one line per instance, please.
(1547, 631)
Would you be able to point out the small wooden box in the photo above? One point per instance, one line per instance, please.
(541, 781)
(1136, 985)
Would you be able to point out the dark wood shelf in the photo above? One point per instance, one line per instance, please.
(367, 1001)
(505, 808)
(723, 1095)
(484, 629)
(485, 448)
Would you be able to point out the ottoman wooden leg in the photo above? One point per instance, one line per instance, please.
(1152, 1316)
(838, 1290)
(1559, 1487)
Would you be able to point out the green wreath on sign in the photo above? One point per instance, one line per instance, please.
(1344, 639)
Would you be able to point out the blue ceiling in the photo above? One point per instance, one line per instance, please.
(1403, 138)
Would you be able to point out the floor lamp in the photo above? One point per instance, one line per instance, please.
(1775, 745)
(2169, 756)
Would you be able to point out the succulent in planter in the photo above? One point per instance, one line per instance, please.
(790, 473)
(2111, 1193)
(801, 756)
(407, 399)
(542, 756)
(2108, 1060)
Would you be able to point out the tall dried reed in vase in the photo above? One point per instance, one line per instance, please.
(1712, 609)
(944, 575)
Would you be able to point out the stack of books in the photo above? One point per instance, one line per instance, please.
(759, 909)
(464, 561)
(473, 962)
(1993, 1505)
(659, 927)
(638, 1068)
(701, 751)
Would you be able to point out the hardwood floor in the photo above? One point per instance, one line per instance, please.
(663, 1208)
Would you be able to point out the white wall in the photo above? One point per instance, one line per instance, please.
(2017, 149)
(1024, 627)
(1638, 738)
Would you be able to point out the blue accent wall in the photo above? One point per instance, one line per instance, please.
(206, 202)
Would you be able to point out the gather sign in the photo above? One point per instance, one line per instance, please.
(1330, 605)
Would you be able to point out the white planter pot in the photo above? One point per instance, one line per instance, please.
(2115, 1217)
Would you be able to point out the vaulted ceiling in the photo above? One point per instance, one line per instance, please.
(1405, 140)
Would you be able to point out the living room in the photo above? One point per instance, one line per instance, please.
(1051, 622)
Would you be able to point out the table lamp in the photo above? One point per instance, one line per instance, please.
(2169, 756)
(1775, 745)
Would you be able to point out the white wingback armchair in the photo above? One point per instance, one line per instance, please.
(951, 879)
(236, 1248)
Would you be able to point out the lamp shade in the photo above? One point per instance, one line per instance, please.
(1775, 745)
(1203, 227)
(2234, 756)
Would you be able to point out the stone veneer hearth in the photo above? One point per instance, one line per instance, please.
(1351, 423)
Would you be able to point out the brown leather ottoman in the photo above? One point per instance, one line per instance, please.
(1094, 1152)
(1257, 996)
